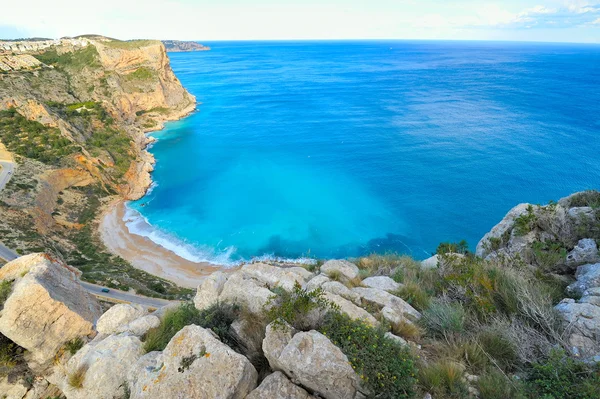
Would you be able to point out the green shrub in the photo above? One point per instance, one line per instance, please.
(8, 354)
(561, 377)
(444, 248)
(385, 367)
(443, 379)
(495, 385)
(526, 222)
(293, 307)
(74, 345)
(5, 290)
(589, 198)
(142, 73)
(415, 295)
(499, 347)
(548, 255)
(443, 319)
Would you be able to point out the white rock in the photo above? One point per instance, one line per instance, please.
(586, 251)
(583, 329)
(350, 309)
(498, 231)
(383, 283)
(340, 289)
(588, 276)
(140, 326)
(431, 262)
(277, 386)
(274, 276)
(246, 291)
(119, 316)
(386, 300)
(396, 338)
(208, 292)
(317, 282)
(276, 339)
(347, 270)
(193, 365)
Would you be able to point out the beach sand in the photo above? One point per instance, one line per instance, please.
(144, 254)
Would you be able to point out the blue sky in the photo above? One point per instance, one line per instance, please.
(525, 20)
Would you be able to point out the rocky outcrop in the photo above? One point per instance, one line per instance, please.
(277, 386)
(125, 318)
(194, 364)
(586, 251)
(588, 276)
(383, 283)
(310, 359)
(47, 307)
(393, 308)
(340, 268)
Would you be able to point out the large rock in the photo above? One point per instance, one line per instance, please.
(118, 316)
(347, 271)
(588, 276)
(208, 292)
(311, 360)
(194, 364)
(244, 290)
(583, 326)
(273, 276)
(586, 251)
(277, 386)
(383, 283)
(47, 306)
(394, 309)
(317, 282)
(350, 309)
(501, 231)
(104, 365)
(340, 289)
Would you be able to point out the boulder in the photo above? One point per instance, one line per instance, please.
(104, 365)
(194, 364)
(392, 306)
(140, 326)
(47, 306)
(273, 276)
(350, 309)
(396, 338)
(340, 289)
(311, 360)
(501, 230)
(583, 326)
(348, 271)
(208, 292)
(277, 386)
(431, 262)
(383, 283)
(586, 251)
(277, 336)
(119, 316)
(317, 282)
(246, 291)
(13, 390)
(588, 276)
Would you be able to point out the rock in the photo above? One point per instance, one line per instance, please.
(340, 289)
(47, 306)
(193, 365)
(311, 360)
(276, 339)
(246, 291)
(583, 329)
(118, 316)
(140, 326)
(13, 390)
(105, 365)
(501, 230)
(430, 263)
(396, 338)
(249, 336)
(586, 251)
(383, 283)
(272, 276)
(396, 307)
(345, 269)
(277, 386)
(350, 309)
(588, 276)
(208, 292)
(317, 282)
(163, 311)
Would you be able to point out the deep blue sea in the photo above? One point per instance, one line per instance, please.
(336, 149)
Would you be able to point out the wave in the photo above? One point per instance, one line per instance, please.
(137, 224)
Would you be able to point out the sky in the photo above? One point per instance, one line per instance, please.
(204, 20)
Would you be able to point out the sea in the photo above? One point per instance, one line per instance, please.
(305, 150)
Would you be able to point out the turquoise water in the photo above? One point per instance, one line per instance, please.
(339, 149)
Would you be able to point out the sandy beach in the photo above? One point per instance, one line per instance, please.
(147, 255)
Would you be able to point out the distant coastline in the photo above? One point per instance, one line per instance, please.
(180, 46)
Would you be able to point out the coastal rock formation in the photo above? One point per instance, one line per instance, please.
(47, 307)
(194, 364)
(343, 268)
(177, 46)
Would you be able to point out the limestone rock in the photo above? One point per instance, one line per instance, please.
(395, 306)
(500, 230)
(431, 262)
(347, 270)
(13, 390)
(313, 361)
(276, 339)
(317, 282)
(586, 251)
(588, 276)
(244, 290)
(140, 326)
(340, 289)
(583, 328)
(383, 283)
(47, 306)
(350, 309)
(105, 365)
(273, 276)
(118, 316)
(209, 291)
(193, 365)
(396, 338)
(277, 386)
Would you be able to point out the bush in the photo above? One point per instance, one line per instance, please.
(415, 295)
(385, 367)
(526, 222)
(445, 248)
(548, 255)
(495, 385)
(5, 290)
(293, 307)
(561, 377)
(499, 347)
(74, 345)
(218, 318)
(444, 319)
(443, 379)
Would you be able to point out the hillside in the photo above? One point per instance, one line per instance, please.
(74, 113)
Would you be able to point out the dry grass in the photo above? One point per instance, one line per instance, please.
(384, 265)
(76, 378)
(443, 379)
(407, 330)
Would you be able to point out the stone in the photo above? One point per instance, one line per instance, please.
(430, 263)
(13, 390)
(345, 269)
(274, 276)
(383, 283)
(586, 251)
(588, 276)
(396, 338)
(350, 309)
(500, 230)
(583, 320)
(208, 292)
(246, 291)
(317, 282)
(140, 326)
(119, 316)
(47, 306)
(310, 359)
(340, 289)
(194, 364)
(247, 336)
(105, 364)
(276, 339)
(277, 386)
(384, 299)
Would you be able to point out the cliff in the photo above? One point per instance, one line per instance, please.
(177, 46)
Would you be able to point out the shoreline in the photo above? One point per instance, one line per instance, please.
(147, 255)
